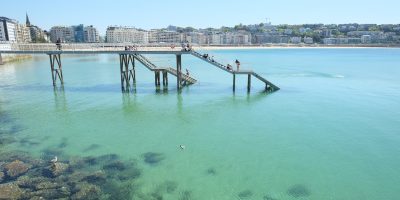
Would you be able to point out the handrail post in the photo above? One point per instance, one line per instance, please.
(178, 70)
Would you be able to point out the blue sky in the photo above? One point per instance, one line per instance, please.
(199, 14)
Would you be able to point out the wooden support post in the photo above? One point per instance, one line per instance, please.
(1, 60)
(155, 78)
(248, 82)
(179, 70)
(59, 70)
(133, 69)
(121, 66)
(234, 81)
(52, 69)
(56, 71)
(164, 78)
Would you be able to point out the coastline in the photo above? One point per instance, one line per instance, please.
(224, 47)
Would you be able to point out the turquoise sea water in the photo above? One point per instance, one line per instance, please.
(331, 132)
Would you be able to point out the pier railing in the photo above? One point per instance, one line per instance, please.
(40, 47)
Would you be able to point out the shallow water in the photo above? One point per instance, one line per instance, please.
(331, 132)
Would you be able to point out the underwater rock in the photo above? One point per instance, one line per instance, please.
(55, 169)
(1, 176)
(16, 168)
(58, 168)
(116, 165)
(10, 191)
(268, 197)
(245, 194)
(170, 186)
(152, 158)
(15, 155)
(119, 190)
(211, 171)
(91, 147)
(53, 193)
(30, 182)
(91, 160)
(98, 177)
(5, 139)
(185, 195)
(122, 171)
(86, 191)
(298, 191)
(63, 143)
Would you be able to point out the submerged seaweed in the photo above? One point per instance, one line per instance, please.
(245, 194)
(298, 191)
(63, 143)
(211, 171)
(268, 197)
(185, 195)
(91, 147)
(152, 158)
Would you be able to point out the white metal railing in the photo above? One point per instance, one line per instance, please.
(87, 47)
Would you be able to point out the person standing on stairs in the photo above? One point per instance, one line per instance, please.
(237, 64)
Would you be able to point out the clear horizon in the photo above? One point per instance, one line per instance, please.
(202, 15)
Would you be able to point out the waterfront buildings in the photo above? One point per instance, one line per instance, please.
(78, 34)
(161, 36)
(123, 34)
(64, 33)
(91, 35)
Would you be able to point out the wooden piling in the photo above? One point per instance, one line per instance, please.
(248, 82)
(179, 70)
(234, 81)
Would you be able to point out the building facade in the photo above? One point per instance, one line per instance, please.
(160, 36)
(91, 34)
(77, 34)
(119, 34)
(23, 33)
(64, 33)
(8, 29)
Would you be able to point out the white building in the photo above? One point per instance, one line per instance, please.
(308, 40)
(159, 36)
(91, 34)
(240, 37)
(8, 30)
(366, 39)
(119, 34)
(23, 33)
(215, 38)
(196, 38)
(295, 40)
(64, 33)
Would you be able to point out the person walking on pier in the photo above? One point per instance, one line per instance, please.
(58, 44)
(187, 72)
(229, 67)
(237, 64)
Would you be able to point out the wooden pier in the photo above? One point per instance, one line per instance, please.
(128, 67)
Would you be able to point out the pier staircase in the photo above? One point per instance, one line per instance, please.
(152, 67)
(268, 85)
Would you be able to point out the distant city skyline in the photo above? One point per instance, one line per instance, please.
(204, 14)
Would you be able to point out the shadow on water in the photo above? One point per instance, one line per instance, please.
(59, 98)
